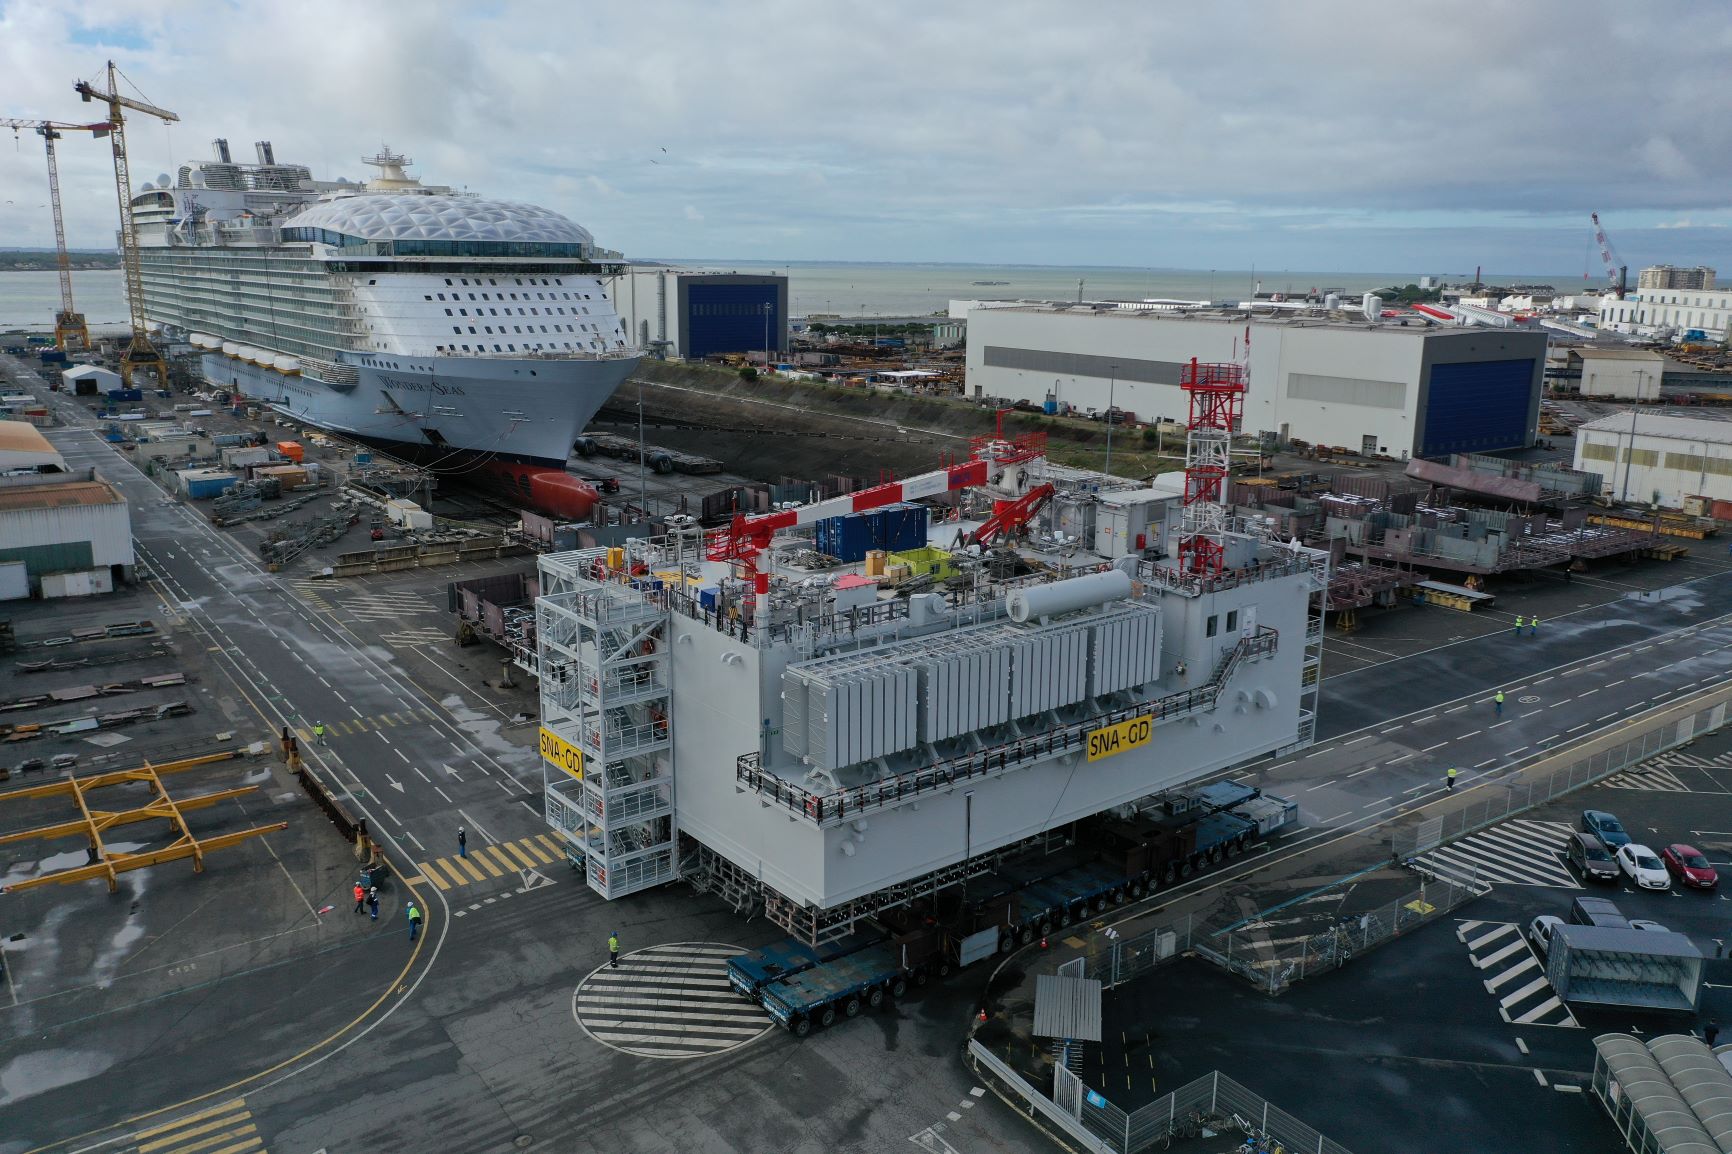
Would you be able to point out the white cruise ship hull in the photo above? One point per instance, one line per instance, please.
(443, 411)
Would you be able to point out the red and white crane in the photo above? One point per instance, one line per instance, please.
(1617, 274)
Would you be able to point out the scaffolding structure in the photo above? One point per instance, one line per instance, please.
(603, 652)
(1217, 394)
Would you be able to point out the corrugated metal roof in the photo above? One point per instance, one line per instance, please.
(1067, 1008)
(23, 437)
(59, 496)
(1660, 425)
(1662, 1110)
(1700, 1080)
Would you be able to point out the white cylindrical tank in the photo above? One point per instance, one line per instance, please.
(1373, 306)
(1332, 302)
(1068, 596)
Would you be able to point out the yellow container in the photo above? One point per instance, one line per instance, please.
(616, 558)
(925, 562)
(875, 563)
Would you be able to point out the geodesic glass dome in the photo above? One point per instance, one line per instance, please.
(438, 225)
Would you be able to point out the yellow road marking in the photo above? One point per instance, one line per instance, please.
(534, 850)
(456, 874)
(428, 870)
(249, 1144)
(386, 718)
(205, 1144)
(551, 843)
(466, 864)
(479, 855)
(499, 854)
(226, 1107)
(528, 863)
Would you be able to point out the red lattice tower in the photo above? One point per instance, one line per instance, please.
(1217, 402)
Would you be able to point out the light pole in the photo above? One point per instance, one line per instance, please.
(642, 484)
(1112, 387)
(967, 839)
(767, 308)
(1630, 453)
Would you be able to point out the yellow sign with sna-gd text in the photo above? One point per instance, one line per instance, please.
(562, 753)
(1112, 740)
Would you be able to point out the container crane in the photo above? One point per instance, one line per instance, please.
(70, 330)
(1617, 275)
(140, 353)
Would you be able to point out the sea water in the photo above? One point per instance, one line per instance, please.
(30, 299)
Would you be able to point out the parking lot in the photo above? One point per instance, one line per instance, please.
(1449, 1038)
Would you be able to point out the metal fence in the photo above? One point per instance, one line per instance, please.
(1122, 959)
(1274, 966)
(1524, 791)
(1214, 1101)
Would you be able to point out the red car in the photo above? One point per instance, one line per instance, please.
(1687, 864)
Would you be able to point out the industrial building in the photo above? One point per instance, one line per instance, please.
(63, 534)
(690, 314)
(1627, 374)
(1694, 314)
(89, 380)
(1666, 276)
(23, 449)
(786, 730)
(1389, 388)
(1658, 459)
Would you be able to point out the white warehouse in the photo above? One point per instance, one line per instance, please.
(1398, 389)
(1654, 458)
(63, 534)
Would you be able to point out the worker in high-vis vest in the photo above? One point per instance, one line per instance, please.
(319, 726)
(1520, 621)
(1533, 626)
(1497, 700)
(613, 950)
(1452, 777)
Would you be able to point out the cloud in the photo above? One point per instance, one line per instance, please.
(981, 131)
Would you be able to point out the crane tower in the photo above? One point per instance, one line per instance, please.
(1617, 274)
(70, 329)
(1217, 395)
(140, 353)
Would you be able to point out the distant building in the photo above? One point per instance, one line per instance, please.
(1653, 458)
(1623, 373)
(1665, 276)
(62, 535)
(1388, 387)
(23, 449)
(1708, 311)
(691, 314)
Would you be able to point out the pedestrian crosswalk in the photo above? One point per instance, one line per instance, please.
(1515, 976)
(225, 1129)
(669, 1001)
(1518, 852)
(1650, 777)
(387, 606)
(507, 859)
(354, 726)
(1691, 761)
(313, 593)
(409, 638)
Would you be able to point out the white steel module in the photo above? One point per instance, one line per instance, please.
(824, 756)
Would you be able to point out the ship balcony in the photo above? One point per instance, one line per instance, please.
(611, 742)
(624, 874)
(628, 687)
(1313, 630)
(639, 803)
(563, 802)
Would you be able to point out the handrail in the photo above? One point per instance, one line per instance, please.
(839, 805)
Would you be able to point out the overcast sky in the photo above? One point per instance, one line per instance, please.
(1201, 135)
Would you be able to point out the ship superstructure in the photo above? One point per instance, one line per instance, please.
(835, 739)
(447, 327)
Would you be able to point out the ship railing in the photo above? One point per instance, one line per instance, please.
(1285, 564)
(836, 806)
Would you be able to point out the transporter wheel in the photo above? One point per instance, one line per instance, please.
(800, 1027)
(943, 968)
(1024, 934)
(898, 987)
(1214, 854)
(1139, 887)
(921, 977)
(1045, 927)
(1232, 850)
(827, 1016)
(1006, 941)
(1170, 874)
(1063, 918)
(1187, 867)
(875, 999)
(851, 1008)
(1100, 902)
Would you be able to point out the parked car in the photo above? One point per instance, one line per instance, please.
(1686, 863)
(1642, 866)
(1591, 858)
(1540, 931)
(1606, 827)
(1647, 926)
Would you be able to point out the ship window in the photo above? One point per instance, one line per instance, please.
(585, 308)
(557, 281)
(517, 328)
(1232, 620)
(458, 329)
(519, 280)
(447, 312)
(1210, 630)
(428, 297)
(442, 295)
(466, 281)
(540, 296)
(487, 328)
(493, 312)
(496, 349)
(543, 328)
(514, 295)
(372, 282)
(471, 330)
(465, 348)
(491, 281)
(447, 281)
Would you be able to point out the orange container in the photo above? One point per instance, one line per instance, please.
(290, 449)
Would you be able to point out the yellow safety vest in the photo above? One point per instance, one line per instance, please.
(414, 914)
(613, 945)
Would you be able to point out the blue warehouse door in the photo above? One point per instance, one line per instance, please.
(1476, 407)
(732, 318)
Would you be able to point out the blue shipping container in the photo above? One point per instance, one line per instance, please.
(207, 487)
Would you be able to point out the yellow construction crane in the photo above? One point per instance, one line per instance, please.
(70, 331)
(140, 353)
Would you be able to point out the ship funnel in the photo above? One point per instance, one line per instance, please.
(221, 147)
(266, 154)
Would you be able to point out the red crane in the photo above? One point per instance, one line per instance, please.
(1217, 395)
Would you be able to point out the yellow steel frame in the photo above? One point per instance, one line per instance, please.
(92, 822)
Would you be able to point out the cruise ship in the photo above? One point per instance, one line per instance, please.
(469, 335)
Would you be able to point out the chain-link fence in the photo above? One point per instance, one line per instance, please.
(1121, 959)
(1537, 786)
